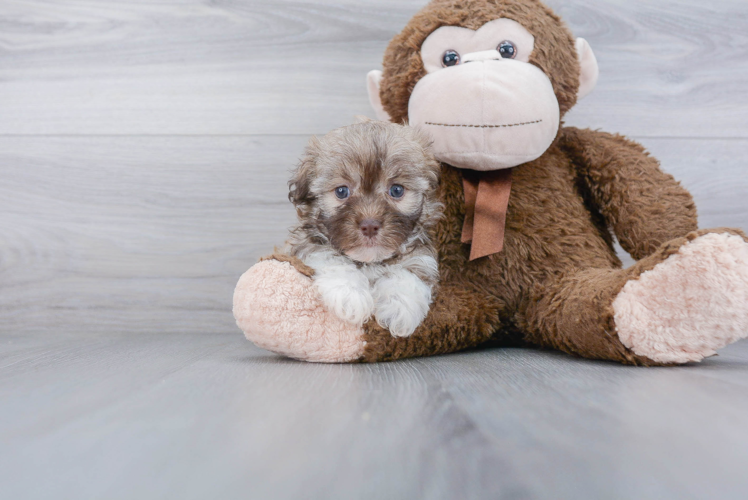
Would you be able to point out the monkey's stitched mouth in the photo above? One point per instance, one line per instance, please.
(483, 126)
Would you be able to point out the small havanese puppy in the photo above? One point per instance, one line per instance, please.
(366, 200)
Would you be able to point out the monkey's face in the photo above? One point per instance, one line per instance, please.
(484, 104)
(491, 98)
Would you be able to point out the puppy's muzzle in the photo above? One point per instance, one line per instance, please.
(370, 227)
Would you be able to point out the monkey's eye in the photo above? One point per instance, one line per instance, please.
(450, 58)
(397, 191)
(507, 49)
(342, 192)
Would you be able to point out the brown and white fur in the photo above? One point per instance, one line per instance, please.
(366, 200)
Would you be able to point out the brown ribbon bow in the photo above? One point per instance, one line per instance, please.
(486, 202)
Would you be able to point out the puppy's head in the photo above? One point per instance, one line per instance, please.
(368, 189)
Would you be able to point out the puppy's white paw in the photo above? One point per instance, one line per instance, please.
(347, 295)
(397, 318)
(401, 302)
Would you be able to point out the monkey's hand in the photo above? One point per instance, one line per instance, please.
(278, 307)
(644, 206)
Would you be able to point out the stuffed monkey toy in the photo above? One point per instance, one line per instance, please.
(526, 244)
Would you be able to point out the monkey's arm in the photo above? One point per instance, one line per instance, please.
(644, 206)
(459, 318)
(278, 307)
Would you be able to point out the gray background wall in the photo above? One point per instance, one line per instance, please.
(145, 146)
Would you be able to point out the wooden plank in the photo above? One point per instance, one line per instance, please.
(669, 68)
(146, 234)
(259, 67)
(199, 416)
(210, 416)
(581, 429)
(97, 228)
(714, 172)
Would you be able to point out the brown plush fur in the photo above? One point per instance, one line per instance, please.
(558, 273)
(554, 282)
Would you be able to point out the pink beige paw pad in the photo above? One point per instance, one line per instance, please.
(278, 309)
(690, 305)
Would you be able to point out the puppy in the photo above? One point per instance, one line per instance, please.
(366, 200)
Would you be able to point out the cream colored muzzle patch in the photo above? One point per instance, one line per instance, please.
(487, 114)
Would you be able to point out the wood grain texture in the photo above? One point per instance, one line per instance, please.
(668, 68)
(96, 228)
(207, 416)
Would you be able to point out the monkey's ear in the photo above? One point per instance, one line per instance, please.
(589, 71)
(373, 81)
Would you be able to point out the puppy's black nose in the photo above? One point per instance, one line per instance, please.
(370, 227)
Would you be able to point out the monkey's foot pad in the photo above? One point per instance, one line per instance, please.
(690, 305)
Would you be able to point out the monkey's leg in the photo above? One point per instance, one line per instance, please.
(459, 318)
(279, 309)
(680, 304)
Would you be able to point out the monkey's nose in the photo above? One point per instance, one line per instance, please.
(370, 227)
(486, 55)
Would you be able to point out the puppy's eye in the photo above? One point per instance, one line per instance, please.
(342, 192)
(507, 49)
(397, 191)
(450, 58)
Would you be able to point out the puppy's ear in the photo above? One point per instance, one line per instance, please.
(300, 185)
(432, 165)
(422, 138)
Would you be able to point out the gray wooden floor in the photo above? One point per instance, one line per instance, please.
(144, 150)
